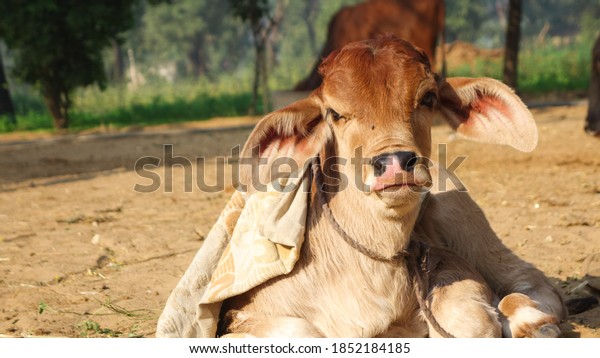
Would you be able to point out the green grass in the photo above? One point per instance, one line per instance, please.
(555, 68)
(545, 68)
(542, 68)
(156, 109)
(117, 106)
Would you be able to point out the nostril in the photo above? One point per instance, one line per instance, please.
(379, 164)
(408, 160)
(411, 163)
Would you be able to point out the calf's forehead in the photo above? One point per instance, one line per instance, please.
(376, 78)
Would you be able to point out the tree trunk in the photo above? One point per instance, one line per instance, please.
(513, 34)
(310, 13)
(262, 29)
(264, 79)
(197, 57)
(442, 35)
(257, 68)
(118, 70)
(58, 104)
(6, 105)
(261, 75)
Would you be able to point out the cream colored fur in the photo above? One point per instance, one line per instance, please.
(336, 291)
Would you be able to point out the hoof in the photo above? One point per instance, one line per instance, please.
(547, 331)
(523, 319)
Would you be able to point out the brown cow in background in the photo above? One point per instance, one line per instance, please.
(592, 121)
(418, 22)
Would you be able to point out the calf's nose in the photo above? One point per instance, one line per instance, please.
(404, 159)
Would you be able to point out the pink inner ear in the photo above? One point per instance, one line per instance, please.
(486, 110)
(493, 118)
(485, 116)
(295, 147)
(484, 104)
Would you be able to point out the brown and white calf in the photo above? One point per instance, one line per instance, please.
(379, 97)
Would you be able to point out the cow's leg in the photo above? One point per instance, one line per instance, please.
(458, 222)
(460, 300)
(256, 324)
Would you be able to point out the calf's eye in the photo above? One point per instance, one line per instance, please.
(335, 115)
(429, 100)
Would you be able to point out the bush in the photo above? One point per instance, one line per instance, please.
(154, 103)
(543, 68)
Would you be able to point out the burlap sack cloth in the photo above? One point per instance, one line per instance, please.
(257, 237)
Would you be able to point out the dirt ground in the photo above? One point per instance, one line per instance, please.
(83, 254)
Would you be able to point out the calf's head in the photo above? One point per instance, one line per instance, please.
(372, 117)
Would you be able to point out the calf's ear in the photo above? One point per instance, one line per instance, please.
(288, 138)
(486, 110)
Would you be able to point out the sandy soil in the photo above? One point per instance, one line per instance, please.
(83, 254)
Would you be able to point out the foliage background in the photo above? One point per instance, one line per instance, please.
(194, 60)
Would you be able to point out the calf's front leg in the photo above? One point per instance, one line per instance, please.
(453, 220)
(460, 299)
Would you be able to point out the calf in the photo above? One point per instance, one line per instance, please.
(592, 121)
(381, 257)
